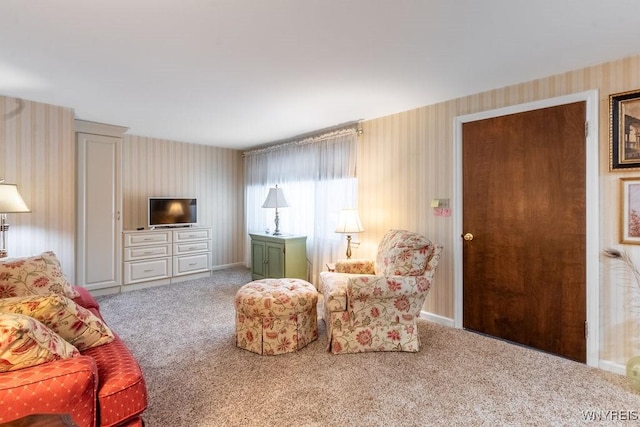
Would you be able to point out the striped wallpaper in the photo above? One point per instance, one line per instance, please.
(37, 152)
(406, 159)
(156, 167)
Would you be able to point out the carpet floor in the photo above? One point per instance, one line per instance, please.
(183, 336)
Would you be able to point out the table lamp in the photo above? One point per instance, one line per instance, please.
(349, 223)
(275, 199)
(10, 202)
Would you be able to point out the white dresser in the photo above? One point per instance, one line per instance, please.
(157, 257)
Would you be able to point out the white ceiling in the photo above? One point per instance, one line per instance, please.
(242, 73)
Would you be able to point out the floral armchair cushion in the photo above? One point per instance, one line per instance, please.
(26, 342)
(403, 253)
(75, 324)
(37, 275)
(355, 266)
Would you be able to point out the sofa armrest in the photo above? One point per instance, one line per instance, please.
(355, 266)
(85, 299)
(67, 386)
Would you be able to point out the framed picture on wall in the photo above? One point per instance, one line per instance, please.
(624, 129)
(630, 210)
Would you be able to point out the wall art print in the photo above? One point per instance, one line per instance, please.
(630, 211)
(624, 129)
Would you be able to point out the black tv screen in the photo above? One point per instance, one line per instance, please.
(172, 211)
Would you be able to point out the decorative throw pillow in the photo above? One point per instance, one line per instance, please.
(77, 325)
(37, 275)
(403, 253)
(26, 342)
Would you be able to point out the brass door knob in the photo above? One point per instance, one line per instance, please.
(468, 237)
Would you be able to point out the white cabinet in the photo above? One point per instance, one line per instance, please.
(157, 257)
(147, 256)
(99, 203)
(191, 251)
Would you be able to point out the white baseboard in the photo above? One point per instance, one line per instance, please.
(222, 267)
(614, 367)
(436, 318)
(104, 291)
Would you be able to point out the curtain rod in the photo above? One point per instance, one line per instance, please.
(309, 138)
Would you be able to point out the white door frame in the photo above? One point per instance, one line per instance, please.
(592, 214)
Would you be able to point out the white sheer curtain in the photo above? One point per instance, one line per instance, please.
(318, 178)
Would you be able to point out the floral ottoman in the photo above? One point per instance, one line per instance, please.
(275, 316)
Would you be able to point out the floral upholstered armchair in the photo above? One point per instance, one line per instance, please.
(373, 305)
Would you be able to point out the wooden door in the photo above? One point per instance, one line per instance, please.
(524, 274)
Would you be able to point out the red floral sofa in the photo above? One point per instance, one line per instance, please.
(99, 385)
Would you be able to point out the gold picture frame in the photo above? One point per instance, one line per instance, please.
(630, 210)
(624, 131)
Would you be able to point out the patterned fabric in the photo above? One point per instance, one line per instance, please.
(106, 377)
(122, 393)
(275, 316)
(403, 253)
(381, 315)
(65, 387)
(334, 291)
(77, 325)
(365, 312)
(25, 342)
(355, 266)
(39, 275)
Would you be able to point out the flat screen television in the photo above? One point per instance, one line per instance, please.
(172, 212)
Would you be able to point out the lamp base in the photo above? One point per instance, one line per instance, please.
(348, 247)
(277, 232)
(4, 230)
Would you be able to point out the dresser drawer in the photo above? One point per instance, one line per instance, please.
(150, 238)
(141, 271)
(188, 264)
(146, 252)
(191, 234)
(191, 247)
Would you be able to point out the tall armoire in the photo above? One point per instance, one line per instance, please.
(99, 206)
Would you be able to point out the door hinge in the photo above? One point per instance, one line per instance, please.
(586, 129)
(586, 329)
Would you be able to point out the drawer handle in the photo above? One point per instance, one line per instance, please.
(193, 263)
(149, 270)
(148, 238)
(148, 253)
(192, 248)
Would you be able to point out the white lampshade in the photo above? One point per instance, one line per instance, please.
(10, 199)
(349, 222)
(275, 199)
